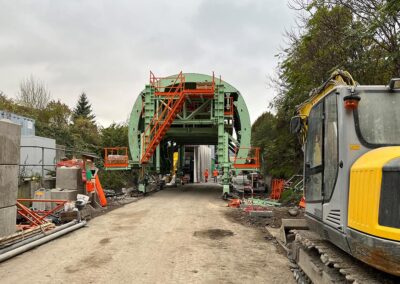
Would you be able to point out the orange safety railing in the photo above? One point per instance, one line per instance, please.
(170, 86)
(116, 157)
(252, 161)
(165, 87)
(278, 185)
(173, 89)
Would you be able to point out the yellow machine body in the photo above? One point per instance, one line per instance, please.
(364, 193)
(344, 190)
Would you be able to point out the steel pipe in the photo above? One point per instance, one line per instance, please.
(37, 237)
(40, 241)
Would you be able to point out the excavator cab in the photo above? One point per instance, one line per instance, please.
(351, 141)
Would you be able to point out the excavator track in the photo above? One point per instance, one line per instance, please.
(319, 261)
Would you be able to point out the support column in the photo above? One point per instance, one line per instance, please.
(181, 159)
(222, 147)
(226, 165)
(158, 159)
(149, 109)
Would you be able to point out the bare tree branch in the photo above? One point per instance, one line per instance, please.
(33, 93)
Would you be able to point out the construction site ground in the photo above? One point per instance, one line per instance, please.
(178, 235)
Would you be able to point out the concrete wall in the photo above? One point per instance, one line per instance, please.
(10, 136)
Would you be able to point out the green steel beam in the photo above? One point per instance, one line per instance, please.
(187, 129)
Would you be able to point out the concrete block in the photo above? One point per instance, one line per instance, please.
(8, 219)
(10, 139)
(64, 194)
(69, 178)
(8, 185)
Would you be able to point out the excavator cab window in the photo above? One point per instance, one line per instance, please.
(330, 146)
(377, 118)
(322, 150)
(314, 146)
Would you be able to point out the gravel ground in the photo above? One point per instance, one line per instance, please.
(178, 235)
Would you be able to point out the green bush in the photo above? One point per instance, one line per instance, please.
(115, 179)
(290, 197)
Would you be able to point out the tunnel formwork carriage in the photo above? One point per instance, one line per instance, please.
(189, 109)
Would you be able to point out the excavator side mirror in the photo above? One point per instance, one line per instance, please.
(295, 124)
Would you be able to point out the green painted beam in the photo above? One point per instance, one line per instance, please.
(195, 127)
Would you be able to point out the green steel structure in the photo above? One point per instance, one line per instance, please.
(218, 116)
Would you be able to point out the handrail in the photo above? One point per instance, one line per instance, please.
(176, 93)
(121, 162)
(253, 161)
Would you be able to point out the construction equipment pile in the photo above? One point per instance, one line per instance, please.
(32, 214)
(262, 210)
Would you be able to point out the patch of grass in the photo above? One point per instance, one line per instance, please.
(290, 197)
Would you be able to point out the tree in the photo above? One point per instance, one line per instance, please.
(33, 94)
(329, 36)
(380, 20)
(53, 122)
(116, 135)
(83, 109)
(85, 135)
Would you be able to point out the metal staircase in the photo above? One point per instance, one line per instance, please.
(164, 115)
(174, 93)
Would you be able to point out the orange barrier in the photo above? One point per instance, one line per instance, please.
(90, 186)
(234, 203)
(278, 186)
(302, 203)
(100, 192)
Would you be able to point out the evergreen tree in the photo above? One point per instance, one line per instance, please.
(83, 109)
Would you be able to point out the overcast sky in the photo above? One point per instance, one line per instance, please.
(107, 48)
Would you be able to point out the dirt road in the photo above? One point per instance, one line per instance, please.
(179, 235)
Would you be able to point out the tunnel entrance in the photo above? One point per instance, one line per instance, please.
(192, 116)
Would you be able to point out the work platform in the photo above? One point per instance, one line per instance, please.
(186, 109)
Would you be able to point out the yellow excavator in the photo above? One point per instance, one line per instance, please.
(351, 141)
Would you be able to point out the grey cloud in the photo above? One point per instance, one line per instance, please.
(107, 48)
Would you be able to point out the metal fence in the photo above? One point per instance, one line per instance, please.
(40, 159)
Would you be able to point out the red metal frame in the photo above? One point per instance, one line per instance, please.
(122, 159)
(37, 217)
(252, 161)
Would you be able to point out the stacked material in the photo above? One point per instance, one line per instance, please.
(10, 139)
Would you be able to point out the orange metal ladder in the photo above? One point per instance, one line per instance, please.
(175, 95)
(164, 115)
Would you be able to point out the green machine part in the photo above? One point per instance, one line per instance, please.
(205, 124)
